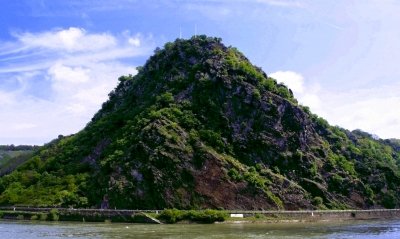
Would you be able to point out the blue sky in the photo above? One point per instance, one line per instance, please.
(60, 59)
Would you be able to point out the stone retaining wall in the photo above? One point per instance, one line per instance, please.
(127, 215)
(320, 215)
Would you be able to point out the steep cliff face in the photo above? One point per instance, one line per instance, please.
(200, 127)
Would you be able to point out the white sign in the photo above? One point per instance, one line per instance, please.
(237, 215)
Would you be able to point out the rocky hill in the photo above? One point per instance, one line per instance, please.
(200, 127)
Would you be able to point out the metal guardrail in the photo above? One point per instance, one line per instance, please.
(313, 211)
(34, 209)
(47, 209)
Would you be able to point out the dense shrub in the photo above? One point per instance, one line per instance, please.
(317, 201)
(53, 214)
(202, 216)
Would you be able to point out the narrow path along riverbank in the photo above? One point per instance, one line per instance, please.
(151, 216)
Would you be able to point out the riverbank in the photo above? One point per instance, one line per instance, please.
(187, 216)
(313, 216)
(82, 215)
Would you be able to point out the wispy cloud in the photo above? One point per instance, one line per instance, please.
(282, 3)
(217, 9)
(290, 78)
(59, 79)
(69, 40)
(307, 95)
(370, 109)
(76, 7)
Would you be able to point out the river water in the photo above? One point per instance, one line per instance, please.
(337, 230)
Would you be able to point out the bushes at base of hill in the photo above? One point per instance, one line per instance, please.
(202, 216)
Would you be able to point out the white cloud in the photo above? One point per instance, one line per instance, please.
(69, 75)
(6, 98)
(371, 109)
(135, 41)
(291, 79)
(281, 3)
(311, 100)
(23, 126)
(71, 39)
(306, 95)
(60, 78)
(76, 108)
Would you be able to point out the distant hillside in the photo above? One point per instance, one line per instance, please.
(200, 127)
(12, 156)
(12, 147)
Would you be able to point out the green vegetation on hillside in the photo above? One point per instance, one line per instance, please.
(200, 127)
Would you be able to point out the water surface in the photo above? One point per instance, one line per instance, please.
(339, 230)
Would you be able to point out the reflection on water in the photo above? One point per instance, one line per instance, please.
(354, 229)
